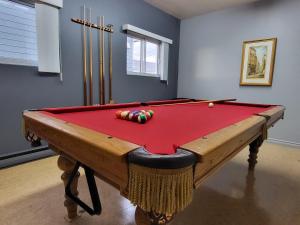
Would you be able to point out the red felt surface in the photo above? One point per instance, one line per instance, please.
(171, 125)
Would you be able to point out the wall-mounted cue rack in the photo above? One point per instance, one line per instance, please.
(93, 25)
(88, 58)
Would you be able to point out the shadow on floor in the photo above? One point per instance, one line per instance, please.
(230, 197)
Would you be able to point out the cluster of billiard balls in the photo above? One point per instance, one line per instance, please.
(140, 116)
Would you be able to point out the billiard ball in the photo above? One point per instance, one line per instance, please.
(210, 105)
(125, 114)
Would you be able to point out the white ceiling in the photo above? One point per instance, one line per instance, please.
(183, 9)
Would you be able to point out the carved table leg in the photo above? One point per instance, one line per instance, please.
(67, 166)
(254, 148)
(145, 218)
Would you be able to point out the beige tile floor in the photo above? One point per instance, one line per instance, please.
(32, 194)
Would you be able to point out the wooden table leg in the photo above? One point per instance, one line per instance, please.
(145, 218)
(67, 165)
(254, 148)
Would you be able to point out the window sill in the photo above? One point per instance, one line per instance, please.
(17, 62)
(143, 74)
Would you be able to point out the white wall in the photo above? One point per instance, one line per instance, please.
(210, 58)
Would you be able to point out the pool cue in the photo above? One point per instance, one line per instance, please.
(103, 61)
(91, 58)
(101, 65)
(199, 101)
(84, 59)
(111, 101)
(219, 100)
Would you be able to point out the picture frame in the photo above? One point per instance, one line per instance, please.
(258, 59)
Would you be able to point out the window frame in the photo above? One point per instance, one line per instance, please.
(143, 51)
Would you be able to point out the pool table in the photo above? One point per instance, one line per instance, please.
(156, 165)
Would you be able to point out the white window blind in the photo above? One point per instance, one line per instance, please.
(18, 42)
(47, 17)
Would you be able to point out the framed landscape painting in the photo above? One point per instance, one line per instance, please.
(258, 59)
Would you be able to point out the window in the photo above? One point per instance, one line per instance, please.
(147, 53)
(17, 34)
(142, 57)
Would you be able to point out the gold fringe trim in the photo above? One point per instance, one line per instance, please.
(166, 191)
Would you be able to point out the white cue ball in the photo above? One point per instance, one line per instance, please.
(210, 105)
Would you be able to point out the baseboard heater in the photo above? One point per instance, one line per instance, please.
(283, 142)
(25, 152)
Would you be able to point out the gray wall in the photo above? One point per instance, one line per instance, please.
(210, 58)
(23, 87)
